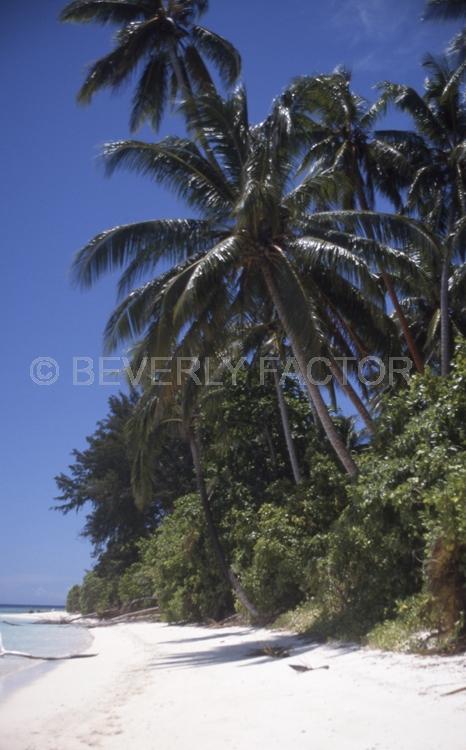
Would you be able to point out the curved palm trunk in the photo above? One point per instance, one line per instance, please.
(387, 280)
(445, 335)
(410, 343)
(352, 335)
(348, 389)
(212, 530)
(286, 429)
(313, 391)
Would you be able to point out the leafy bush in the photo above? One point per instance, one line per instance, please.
(274, 578)
(97, 594)
(410, 629)
(385, 554)
(445, 568)
(135, 585)
(405, 522)
(184, 570)
(73, 600)
(273, 545)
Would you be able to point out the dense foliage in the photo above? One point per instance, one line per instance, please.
(355, 550)
(358, 521)
(99, 481)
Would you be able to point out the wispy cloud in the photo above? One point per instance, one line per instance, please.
(363, 19)
(384, 34)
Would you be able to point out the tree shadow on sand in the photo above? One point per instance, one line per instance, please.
(224, 653)
(214, 636)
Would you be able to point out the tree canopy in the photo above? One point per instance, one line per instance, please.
(338, 488)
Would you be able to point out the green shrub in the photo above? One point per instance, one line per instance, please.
(184, 570)
(404, 526)
(274, 578)
(273, 546)
(409, 630)
(368, 559)
(135, 585)
(97, 594)
(73, 600)
(445, 566)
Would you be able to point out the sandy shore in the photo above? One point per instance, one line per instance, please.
(56, 616)
(159, 687)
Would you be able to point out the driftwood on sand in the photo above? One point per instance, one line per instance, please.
(111, 617)
(140, 614)
(454, 692)
(25, 655)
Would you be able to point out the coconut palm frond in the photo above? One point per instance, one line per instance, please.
(177, 163)
(163, 40)
(219, 51)
(140, 247)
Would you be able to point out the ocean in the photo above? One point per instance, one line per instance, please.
(34, 638)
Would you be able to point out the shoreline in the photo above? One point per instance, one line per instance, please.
(173, 687)
(30, 671)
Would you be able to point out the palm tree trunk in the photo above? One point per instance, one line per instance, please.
(212, 529)
(411, 344)
(286, 429)
(352, 335)
(348, 389)
(387, 280)
(315, 396)
(445, 344)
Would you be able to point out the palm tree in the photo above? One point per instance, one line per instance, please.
(353, 324)
(337, 301)
(290, 446)
(243, 211)
(266, 339)
(342, 138)
(163, 39)
(445, 10)
(254, 239)
(423, 309)
(158, 407)
(437, 152)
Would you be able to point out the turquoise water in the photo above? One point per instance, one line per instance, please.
(41, 640)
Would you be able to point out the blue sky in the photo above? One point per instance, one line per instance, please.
(54, 197)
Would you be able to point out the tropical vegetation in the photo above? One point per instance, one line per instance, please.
(286, 463)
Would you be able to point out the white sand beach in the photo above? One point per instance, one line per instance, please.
(154, 686)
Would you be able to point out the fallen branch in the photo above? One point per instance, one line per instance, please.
(127, 608)
(128, 617)
(453, 692)
(25, 655)
(66, 620)
(91, 616)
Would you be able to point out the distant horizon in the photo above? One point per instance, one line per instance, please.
(42, 606)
